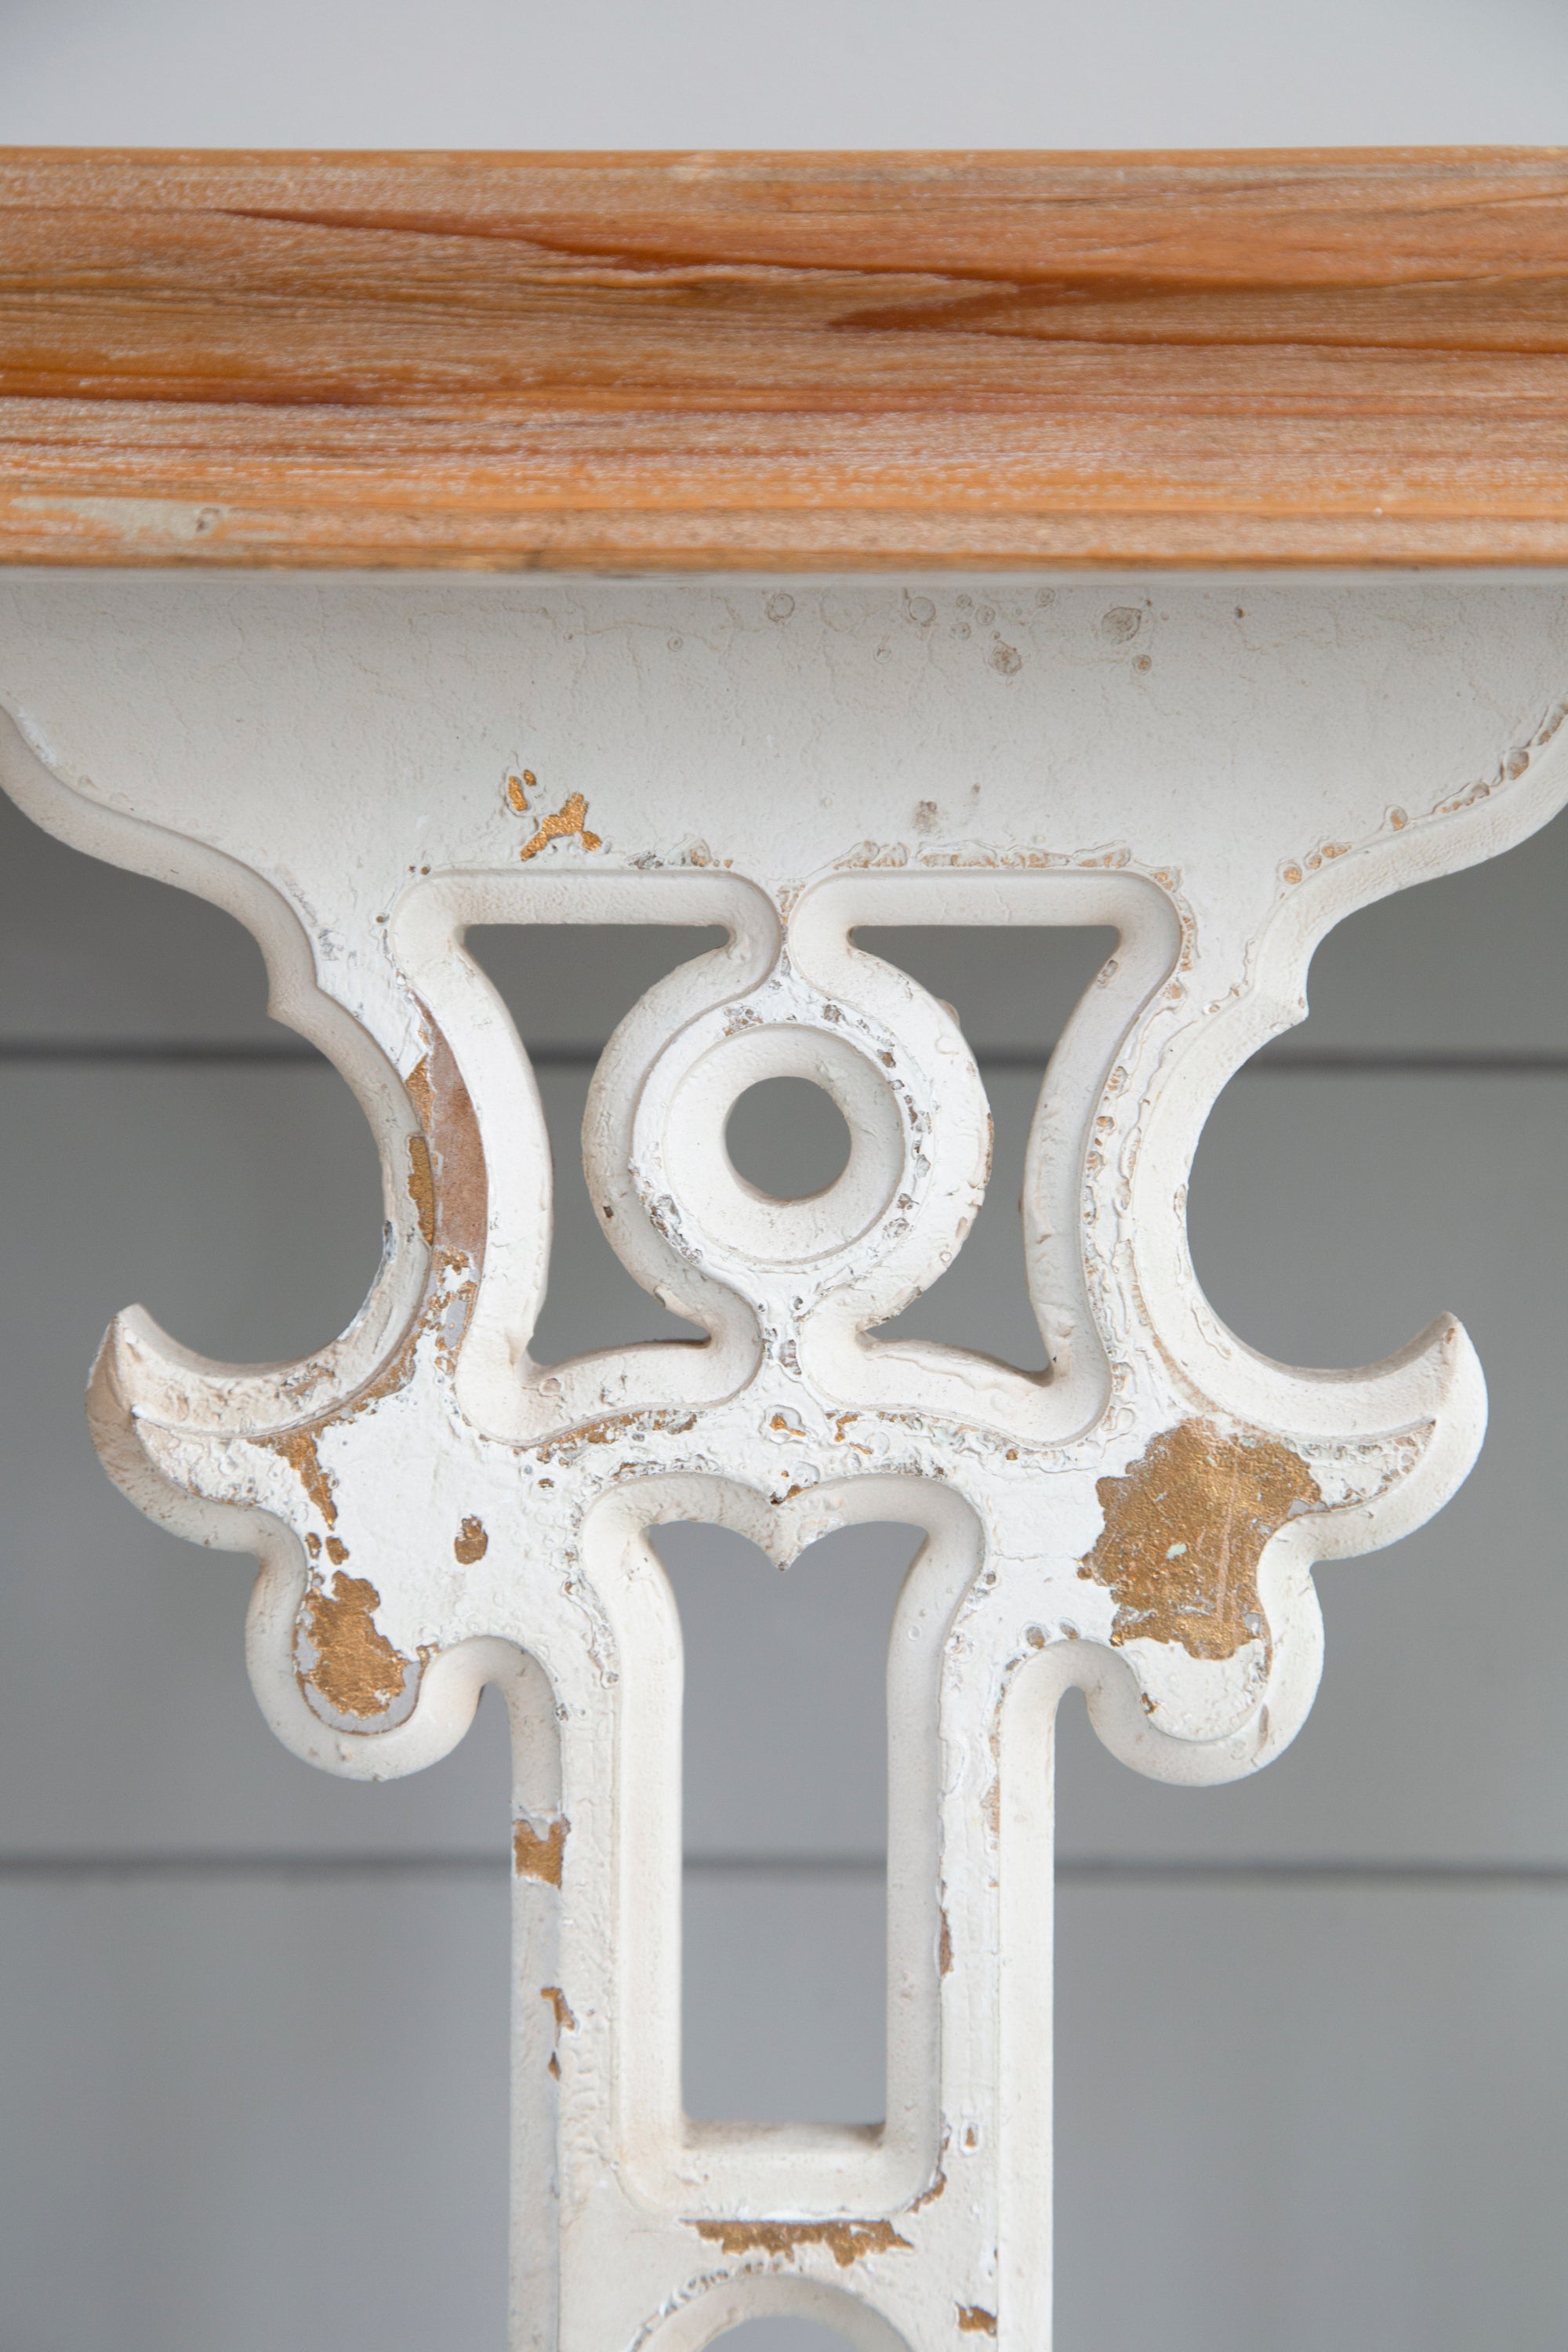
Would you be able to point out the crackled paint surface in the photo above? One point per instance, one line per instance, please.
(1217, 776)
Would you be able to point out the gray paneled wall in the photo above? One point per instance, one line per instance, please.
(1314, 2075)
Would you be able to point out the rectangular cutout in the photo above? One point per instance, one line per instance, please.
(786, 1795)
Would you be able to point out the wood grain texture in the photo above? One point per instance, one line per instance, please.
(783, 361)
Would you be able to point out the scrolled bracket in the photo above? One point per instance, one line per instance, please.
(433, 1509)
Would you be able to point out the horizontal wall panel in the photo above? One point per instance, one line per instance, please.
(92, 953)
(783, 2010)
(242, 2119)
(1294, 2120)
(1285, 2118)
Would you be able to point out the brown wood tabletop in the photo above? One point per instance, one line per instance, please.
(782, 361)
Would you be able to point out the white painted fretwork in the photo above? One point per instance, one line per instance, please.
(433, 1511)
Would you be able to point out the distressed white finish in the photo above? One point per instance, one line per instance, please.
(432, 1511)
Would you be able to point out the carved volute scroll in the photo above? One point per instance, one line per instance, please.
(433, 1510)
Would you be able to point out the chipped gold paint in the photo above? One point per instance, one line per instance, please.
(973, 2320)
(422, 1188)
(938, 2188)
(459, 1218)
(418, 1088)
(516, 797)
(470, 1543)
(298, 1447)
(337, 1550)
(533, 1857)
(459, 1195)
(564, 2020)
(646, 1421)
(848, 2242)
(560, 824)
(1185, 1530)
(357, 1670)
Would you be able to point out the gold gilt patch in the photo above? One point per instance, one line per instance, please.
(1185, 1530)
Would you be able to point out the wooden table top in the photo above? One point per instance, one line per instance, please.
(783, 361)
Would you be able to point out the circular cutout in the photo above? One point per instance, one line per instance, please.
(787, 1138)
(722, 1214)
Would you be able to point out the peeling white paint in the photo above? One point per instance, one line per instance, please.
(329, 761)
